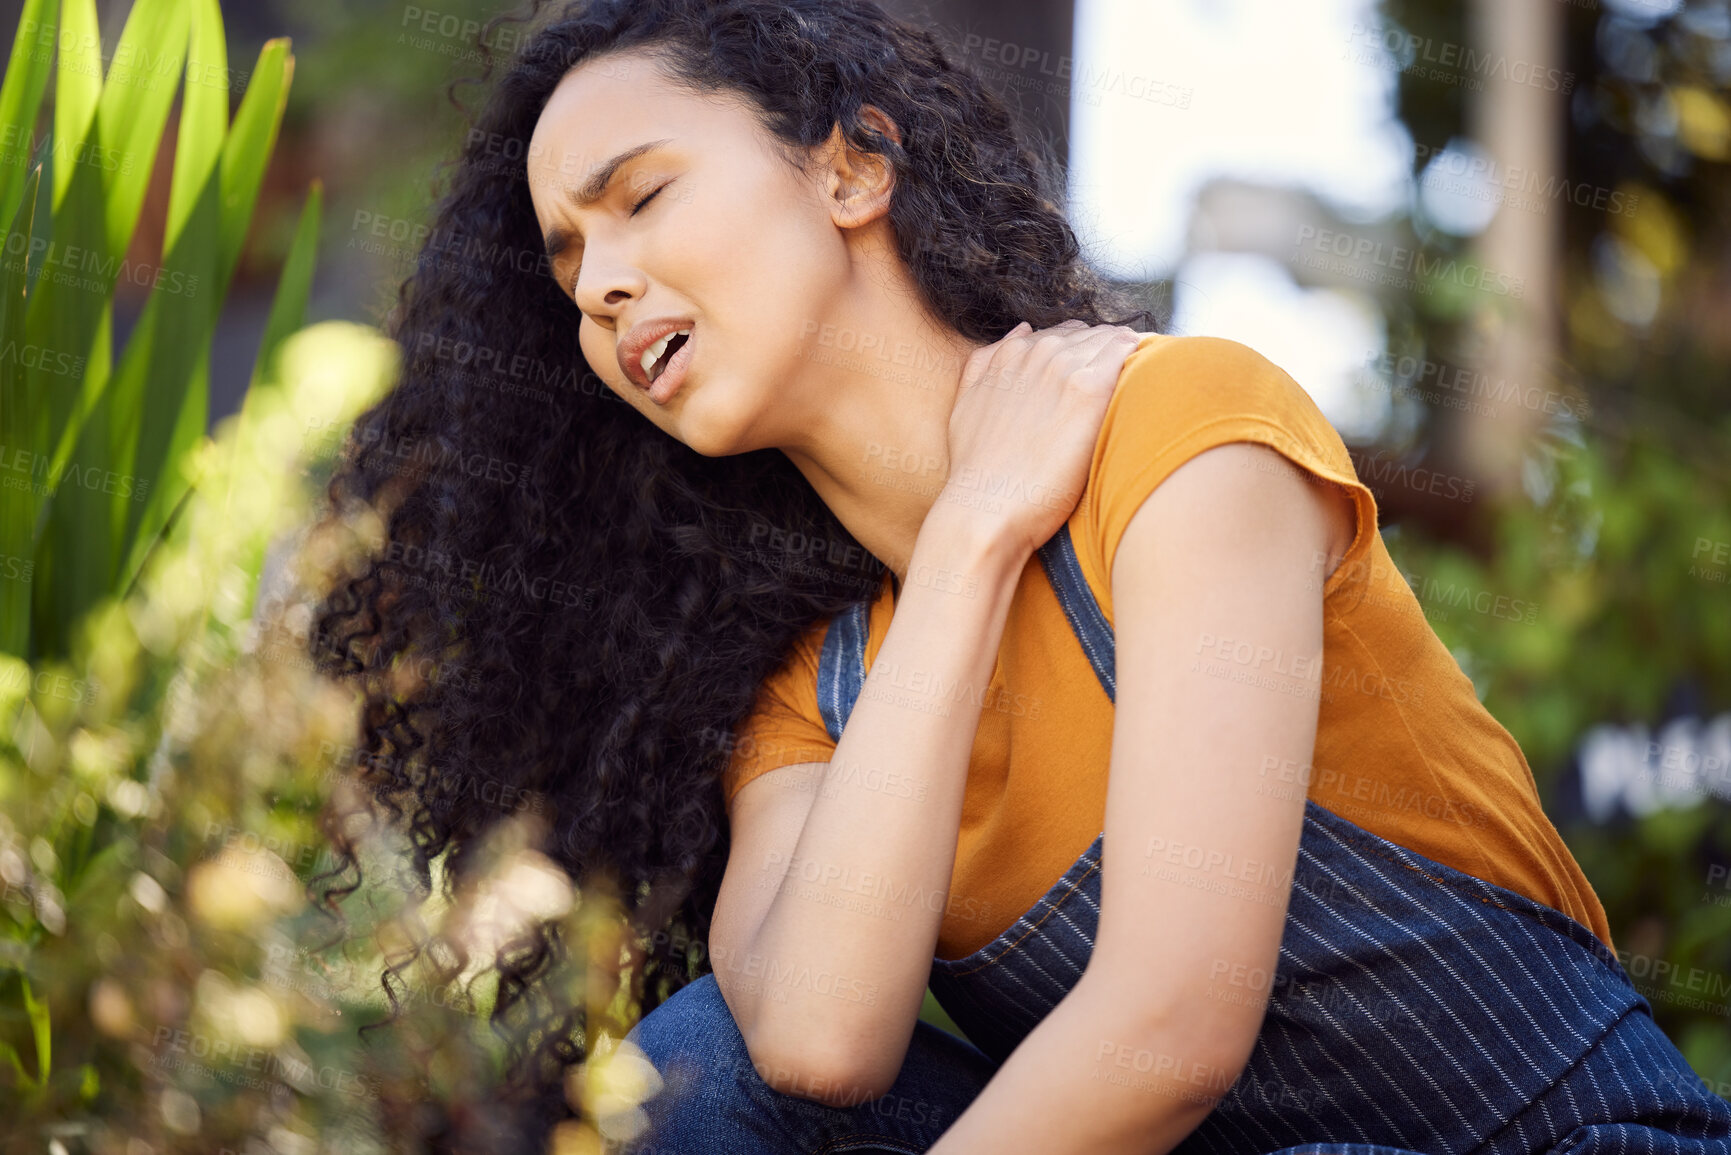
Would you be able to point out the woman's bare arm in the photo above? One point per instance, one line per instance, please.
(1154, 1032)
(836, 972)
(828, 986)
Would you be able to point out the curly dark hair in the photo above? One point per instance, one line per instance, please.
(590, 604)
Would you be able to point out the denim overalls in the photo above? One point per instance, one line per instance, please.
(1414, 1008)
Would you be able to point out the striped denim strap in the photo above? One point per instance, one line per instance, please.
(841, 669)
(1058, 556)
(841, 666)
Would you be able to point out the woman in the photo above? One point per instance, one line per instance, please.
(861, 568)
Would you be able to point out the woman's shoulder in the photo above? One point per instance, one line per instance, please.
(1207, 376)
(785, 723)
(1179, 396)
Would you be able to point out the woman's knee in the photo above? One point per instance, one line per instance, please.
(694, 1025)
(694, 1045)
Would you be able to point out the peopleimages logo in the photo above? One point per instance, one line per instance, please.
(1461, 387)
(18, 146)
(1517, 186)
(1023, 65)
(83, 268)
(37, 357)
(1366, 258)
(1447, 61)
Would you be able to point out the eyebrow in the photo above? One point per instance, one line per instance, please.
(593, 188)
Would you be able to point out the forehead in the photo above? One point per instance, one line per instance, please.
(615, 102)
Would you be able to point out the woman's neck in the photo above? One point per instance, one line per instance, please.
(879, 381)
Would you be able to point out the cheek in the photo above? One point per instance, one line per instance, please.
(785, 266)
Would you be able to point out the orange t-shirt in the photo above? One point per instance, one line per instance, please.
(1404, 748)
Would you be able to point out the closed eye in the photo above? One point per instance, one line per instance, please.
(646, 200)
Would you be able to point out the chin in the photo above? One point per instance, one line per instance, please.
(707, 447)
(709, 433)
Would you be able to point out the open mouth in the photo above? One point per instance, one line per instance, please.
(669, 346)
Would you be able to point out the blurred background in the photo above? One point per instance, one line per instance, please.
(1491, 238)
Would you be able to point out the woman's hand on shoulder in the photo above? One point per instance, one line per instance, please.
(1025, 423)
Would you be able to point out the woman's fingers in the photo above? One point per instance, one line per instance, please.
(1091, 355)
(1113, 346)
(1024, 354)
(1033, 429)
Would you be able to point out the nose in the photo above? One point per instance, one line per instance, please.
(607, 282)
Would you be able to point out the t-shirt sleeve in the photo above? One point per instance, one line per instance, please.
(784, 726)
(1179, 396)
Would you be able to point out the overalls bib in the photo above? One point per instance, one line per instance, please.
(1413, 1008)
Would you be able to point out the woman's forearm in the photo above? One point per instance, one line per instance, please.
(860, 901)
(1091, 1078)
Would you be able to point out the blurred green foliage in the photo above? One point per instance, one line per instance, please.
(163, 795)
(93, 444)
(1628, 611)
(377, 97)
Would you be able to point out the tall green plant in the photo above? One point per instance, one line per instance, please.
(96, 452)
(93, 446)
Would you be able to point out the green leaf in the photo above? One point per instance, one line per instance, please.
(161, 390)
(67, 319)
(134, 108)
(38, 1014)
(63, 568)
(81, 528)
(289, 307)
(21, 97)
(287, 315)
(77, 86)
(103, 444)
(203, 121)
(17, 506)
(245, 155)
(13, 275)
(10, 1054)
(250, 143)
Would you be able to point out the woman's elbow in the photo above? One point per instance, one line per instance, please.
(832, 1076)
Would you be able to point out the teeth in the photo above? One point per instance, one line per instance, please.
(654, 352)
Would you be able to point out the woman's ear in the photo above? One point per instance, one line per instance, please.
(861, 182)
(878, 119)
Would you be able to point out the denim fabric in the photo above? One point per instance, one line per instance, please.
(715, 1099)
(1414, 1008)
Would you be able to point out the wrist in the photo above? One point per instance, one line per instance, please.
(959, 546)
